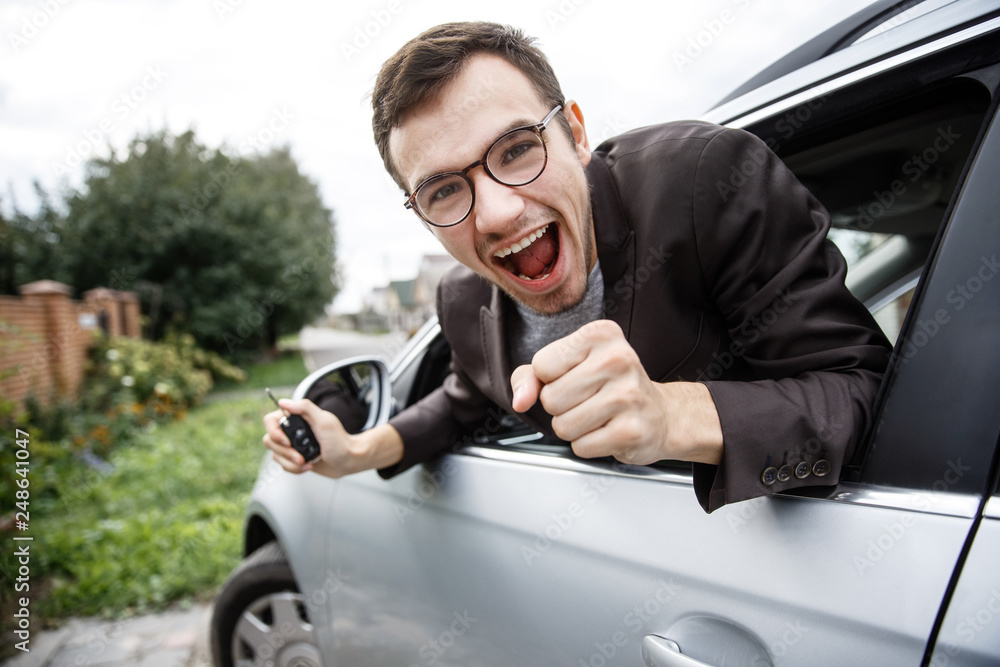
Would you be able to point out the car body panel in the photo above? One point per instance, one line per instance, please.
(970, 633)
(797, 574)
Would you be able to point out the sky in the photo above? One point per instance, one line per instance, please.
(82, 77)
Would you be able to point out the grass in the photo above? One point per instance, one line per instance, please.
(164, 525)
(285, 371)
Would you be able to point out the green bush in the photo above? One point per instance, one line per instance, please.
(174, 373)
(131, 386)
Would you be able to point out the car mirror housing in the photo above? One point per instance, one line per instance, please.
(357, 390)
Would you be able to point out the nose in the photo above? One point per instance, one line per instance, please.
(497, 206)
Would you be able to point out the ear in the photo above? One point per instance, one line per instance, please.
(574, 115)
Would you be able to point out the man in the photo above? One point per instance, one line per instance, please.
(630, 305)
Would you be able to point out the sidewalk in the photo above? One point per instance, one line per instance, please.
(174, 638)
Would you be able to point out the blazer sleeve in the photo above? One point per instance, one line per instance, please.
(816, 354)
(444, 418)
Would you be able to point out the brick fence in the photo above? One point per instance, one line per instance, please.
(44, 336)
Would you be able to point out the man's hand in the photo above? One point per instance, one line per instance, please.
(341, 453)
(602, 401)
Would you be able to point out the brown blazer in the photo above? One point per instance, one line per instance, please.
(717, 268)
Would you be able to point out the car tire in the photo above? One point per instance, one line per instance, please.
(260, 617)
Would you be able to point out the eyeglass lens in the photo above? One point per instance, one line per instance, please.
(517, 158)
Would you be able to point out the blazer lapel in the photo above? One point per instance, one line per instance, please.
(615, 242)
(494, 342)
(498, 363)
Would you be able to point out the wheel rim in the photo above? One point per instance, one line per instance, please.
(273, 631)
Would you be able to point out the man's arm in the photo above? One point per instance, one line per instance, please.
(341, 453)
(815, 353)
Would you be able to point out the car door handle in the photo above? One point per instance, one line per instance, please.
(662, 652)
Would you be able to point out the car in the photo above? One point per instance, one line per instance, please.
(509, 550)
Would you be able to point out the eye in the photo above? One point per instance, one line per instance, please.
(443, 192)
(517, 151)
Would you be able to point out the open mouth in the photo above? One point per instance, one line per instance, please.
(533, 257)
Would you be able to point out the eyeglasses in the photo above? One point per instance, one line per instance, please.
(517, 158)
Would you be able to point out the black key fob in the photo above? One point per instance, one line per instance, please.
(299, 433)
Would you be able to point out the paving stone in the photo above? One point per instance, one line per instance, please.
(43, 645)
(174, 637)
(173, 658)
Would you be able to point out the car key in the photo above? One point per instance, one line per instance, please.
(298, 432)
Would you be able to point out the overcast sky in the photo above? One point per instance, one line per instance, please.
(80, 76)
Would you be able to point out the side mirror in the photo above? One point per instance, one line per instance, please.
(355, 389)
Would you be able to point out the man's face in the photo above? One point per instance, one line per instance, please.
(453, 130)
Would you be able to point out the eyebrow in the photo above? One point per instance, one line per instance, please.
(513, 125)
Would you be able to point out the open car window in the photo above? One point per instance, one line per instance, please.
(887, 175)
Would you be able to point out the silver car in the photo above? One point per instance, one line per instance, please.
(508, 550)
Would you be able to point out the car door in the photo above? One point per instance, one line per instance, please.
(970, 632)
(510, 551)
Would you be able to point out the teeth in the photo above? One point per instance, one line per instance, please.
(524, 277)
(524, 243)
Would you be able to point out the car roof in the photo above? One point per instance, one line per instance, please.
(851, 45)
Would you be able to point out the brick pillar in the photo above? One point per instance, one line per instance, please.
(102, 301)
(52, 298)
(129, 307)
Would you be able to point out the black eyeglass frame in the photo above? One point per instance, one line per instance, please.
(537, 128)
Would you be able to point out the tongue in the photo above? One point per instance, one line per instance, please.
(532, 260)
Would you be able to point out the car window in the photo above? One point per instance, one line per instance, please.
(867, 252)
(887, 172)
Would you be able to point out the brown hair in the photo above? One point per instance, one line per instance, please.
(427, 62)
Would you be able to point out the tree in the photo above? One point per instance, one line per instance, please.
(234, 250)
(29, 246)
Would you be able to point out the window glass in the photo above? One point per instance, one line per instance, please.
(864, 252)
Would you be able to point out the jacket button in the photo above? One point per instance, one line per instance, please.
(802, 470)
(770, 476)
(784, 473)
(821, 468)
